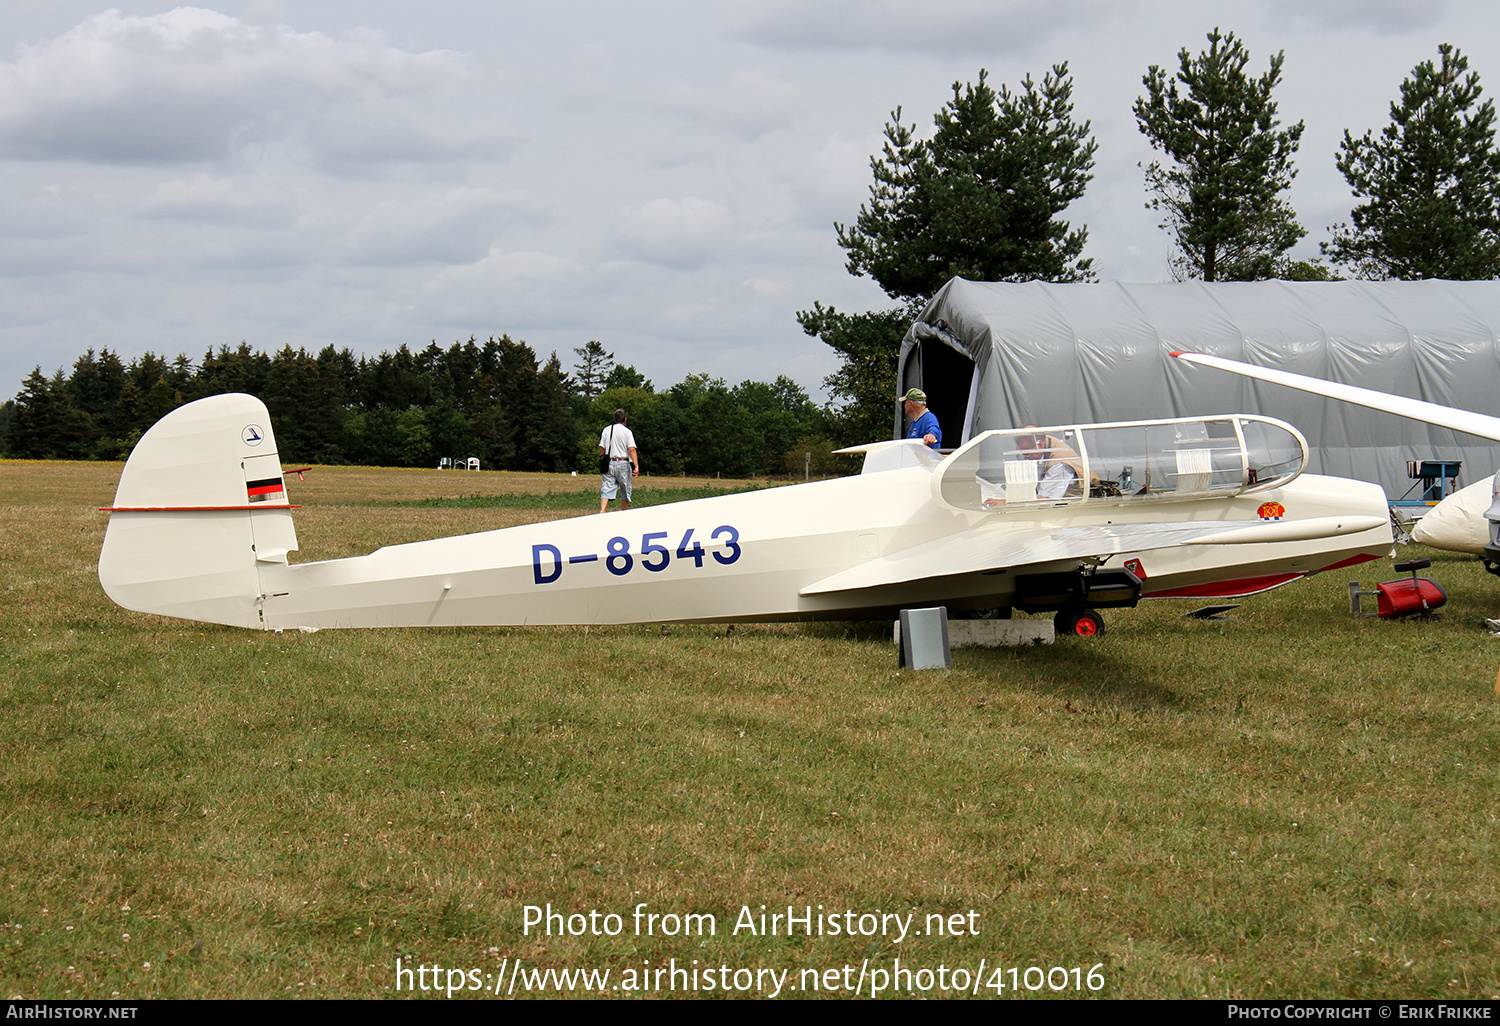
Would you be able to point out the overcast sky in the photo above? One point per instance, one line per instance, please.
(662, 177)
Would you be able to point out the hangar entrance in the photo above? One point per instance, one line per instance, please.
(948, 378)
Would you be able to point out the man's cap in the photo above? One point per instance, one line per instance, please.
(913, 395)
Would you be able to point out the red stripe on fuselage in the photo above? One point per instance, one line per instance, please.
(260, 506)
(1351, 561)
(1229, 589)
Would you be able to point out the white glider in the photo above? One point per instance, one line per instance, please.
(1466, 521)
(1068, 519)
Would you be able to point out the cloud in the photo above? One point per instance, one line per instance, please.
(253, 203)
(926, 26)
(751, 104)
(1384, 17)
(42, 210)
(509, 288)
(680, 234)
(195, 85)
(454, 227)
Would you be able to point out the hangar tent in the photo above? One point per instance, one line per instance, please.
(1005, 354)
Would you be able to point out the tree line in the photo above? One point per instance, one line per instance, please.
(982, 196)
(493, 400)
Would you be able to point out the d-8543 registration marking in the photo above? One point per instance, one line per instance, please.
(654, 556)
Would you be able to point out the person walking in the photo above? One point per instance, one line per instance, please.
(618, 463)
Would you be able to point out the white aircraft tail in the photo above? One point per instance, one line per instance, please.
(201, 506)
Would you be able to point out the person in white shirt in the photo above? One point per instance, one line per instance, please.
(618, 445)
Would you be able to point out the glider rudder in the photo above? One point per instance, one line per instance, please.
(200, 507)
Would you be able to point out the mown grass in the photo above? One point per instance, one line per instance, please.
(1288, 802)
(562, 501)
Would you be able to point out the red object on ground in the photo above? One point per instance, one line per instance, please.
(1410, 596)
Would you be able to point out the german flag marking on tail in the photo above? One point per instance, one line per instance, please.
(270, 489)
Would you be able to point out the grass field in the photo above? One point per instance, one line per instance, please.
(1287, 803)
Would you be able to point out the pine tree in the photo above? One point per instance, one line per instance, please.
(1430, 182)
(592, 369)
(550, 442)
(45, 423)
(981, 198)
(1231, 161)
(232, 370)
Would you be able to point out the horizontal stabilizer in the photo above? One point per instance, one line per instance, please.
(894, 454)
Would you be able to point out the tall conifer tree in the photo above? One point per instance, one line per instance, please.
(981, 199)
(1230, 162)
(592, 369)
(1430, 182)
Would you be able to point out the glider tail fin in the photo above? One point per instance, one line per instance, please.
(201, 508)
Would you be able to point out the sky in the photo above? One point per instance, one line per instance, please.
(661, 177)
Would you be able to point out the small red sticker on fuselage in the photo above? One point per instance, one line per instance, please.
(1271, 511)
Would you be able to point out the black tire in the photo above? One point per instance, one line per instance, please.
(1078, 623)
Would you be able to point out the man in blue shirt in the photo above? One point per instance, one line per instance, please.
(924, 424)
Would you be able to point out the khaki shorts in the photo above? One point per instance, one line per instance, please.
(619, 477)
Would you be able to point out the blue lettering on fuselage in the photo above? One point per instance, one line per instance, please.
(547, 561)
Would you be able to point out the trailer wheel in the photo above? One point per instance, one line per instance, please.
(1078, 623)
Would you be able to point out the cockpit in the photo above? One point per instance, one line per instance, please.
(1140, 461)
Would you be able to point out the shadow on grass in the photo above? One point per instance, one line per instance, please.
(1081, 670)
(1071, 668)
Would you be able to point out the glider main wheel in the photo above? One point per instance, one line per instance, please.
(1078, 623)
